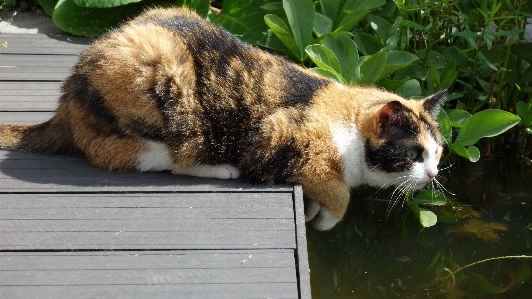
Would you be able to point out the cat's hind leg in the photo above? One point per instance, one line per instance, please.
(156, 157)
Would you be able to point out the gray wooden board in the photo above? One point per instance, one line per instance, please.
(22, 172)
(146, 221)
(265, 273)
(44, 44)
(29, 96)
(36, 67)
(24, 118)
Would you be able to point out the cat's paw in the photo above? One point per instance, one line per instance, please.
(226, 171)
(312, 208)
(324, 221)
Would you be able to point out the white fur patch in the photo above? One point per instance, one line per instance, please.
(221, 171)
(351, 148)
(155, 157)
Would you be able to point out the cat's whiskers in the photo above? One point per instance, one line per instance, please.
(388, 184)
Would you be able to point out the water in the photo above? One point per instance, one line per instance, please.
(370, 255)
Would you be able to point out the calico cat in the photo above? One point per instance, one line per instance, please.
(169, 91)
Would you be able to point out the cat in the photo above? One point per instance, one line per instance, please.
(170, 91)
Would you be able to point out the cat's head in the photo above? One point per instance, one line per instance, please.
(406, 145)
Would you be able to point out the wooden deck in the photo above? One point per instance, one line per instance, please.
(69, 230)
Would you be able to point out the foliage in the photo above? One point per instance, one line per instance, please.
(95, 17)
(18, 5)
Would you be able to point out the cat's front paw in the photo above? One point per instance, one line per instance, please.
(324, 221)
(312, 208)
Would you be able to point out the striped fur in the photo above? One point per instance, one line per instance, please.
(169, 91)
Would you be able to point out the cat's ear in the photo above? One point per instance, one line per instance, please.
(433, 103)
(388, 115)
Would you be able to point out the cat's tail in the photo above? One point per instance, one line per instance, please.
(51, 137)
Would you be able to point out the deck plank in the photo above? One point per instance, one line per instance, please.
(162, 274)
(71, 230)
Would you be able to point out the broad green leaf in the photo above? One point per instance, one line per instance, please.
(102, 3)
(346, 52)
(523, 50)
(458, 117)
(471, 152)
(451, 216)
(240, 18)
(271, 41)
(445, 127)
(349, 19)
(482, 284)
(486, 123)
(524, 112)
(300, 15)
(92, 21)
(324, 58)
(410, 88)
(431, 266)
(523, 274)
(396, 60)
(363, 4)
(275, 8)
(330, 8)
(410, 72)
(48, 6)
(322, 24)
(329, 74)
(431, 197)
(433, 79)
(282, 31)
(367, 43)
(426, 218)
(458, 56)
(371, 68)
(380, 25)
(448, 75)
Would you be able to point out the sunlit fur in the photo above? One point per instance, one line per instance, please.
(169, 91)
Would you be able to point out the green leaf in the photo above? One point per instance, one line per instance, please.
(240, 18)
(458, 56)
(434, 59)
(445, 127)
(458, 117)
(380, 25)
(523, 50)
(48, 6)
(482, 284)
(471, 153)
(322, 24)
(371, 68)
(451, 216)
(486, 61)
(363, 4)
(433, 79)
(367, 43)
(102, 4)
(396, 60)
(431, 197)
(271, 41)
(350, 20)
(414, 25)
(524, 112)
(426, 218)
(410, 88)
(346, 52)
(282, 31)
(92, 21)
(486, 123)
(329, 74)
(300, 15)
(324, 58)
(448, 75)
(330, 8)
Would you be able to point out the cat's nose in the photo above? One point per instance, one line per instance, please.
(432, 174)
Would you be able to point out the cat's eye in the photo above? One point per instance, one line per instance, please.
(412, 154)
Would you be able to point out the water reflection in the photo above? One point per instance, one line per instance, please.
(369, 256)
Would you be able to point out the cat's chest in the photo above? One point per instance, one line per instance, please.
(350, 145)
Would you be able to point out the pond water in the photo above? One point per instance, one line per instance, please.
(489, 215)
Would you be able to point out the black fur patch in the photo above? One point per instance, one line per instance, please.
(300, 87)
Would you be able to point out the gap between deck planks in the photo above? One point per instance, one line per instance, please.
(69, 230)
